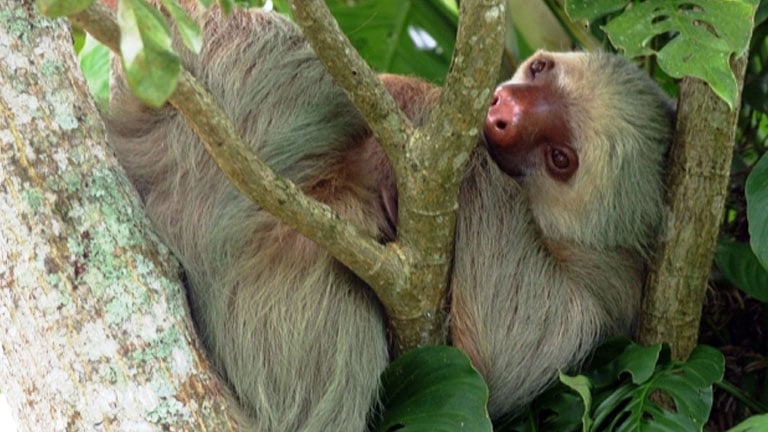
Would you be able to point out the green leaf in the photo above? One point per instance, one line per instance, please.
(581, 385)
(738, 264)
(665, 421)
(60, 8)
(757, 423)
(704, 34)
(282, 6)
(227, 6)
(95, 63)
(557, 409)
(705, 366)
(689, 384)
(617, 401)
(591, 10)
(188, 29)
(413, 37)
(151, 66)
(639, 361)
(78, 38)
(433, 389)
(628, 406)
(757, 210)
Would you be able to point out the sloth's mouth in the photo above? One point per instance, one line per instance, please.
(508, 164)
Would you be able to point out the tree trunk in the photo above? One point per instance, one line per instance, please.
(95, 333)
(699, 166)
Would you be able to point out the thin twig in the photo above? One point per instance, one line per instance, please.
(391, 127)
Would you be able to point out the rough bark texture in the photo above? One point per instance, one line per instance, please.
(699, 165)
(95, 334)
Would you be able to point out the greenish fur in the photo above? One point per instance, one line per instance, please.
(542, 272)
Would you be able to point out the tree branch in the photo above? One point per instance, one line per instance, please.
(391, 127)
(429, 162)
(437, 154)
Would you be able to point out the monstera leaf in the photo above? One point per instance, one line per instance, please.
(629, 407)
(702, 34)
(615, 392)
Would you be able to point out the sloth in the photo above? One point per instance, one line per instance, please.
(559, 205)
